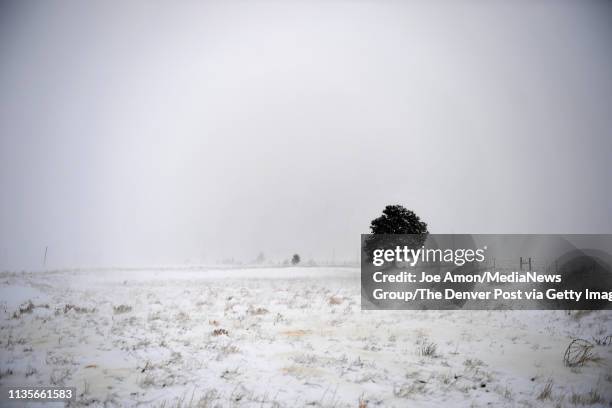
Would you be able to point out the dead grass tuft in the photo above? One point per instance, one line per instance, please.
(208, 400)
(408, 390)
(6, 373)
(23, 309)
(428, 349)
(257, 311)
(295, 333)
(77, 309)
(590, 398)
(220, 332)
(335, 300)
(122, 309)
(546, 392)
(578, 353)
(603, 340)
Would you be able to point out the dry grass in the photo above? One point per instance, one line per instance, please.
(6, 373)
(408, 390)
(428, 349)
(23, 309)
(257, 311)
(546, 392)
(590, 398)
(603, 340)
(295, 333)
(319, 339)
(122, 309)
(335, 300)
(30, 371)
(220, 332)
(578, 353)
(77, 309)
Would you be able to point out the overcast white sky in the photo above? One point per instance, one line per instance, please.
(170, 132)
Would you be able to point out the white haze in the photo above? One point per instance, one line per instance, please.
(187, 132)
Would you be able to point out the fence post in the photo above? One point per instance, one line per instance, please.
(530, 270)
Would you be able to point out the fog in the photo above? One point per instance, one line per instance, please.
(190, 132)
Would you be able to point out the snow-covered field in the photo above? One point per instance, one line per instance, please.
(282, 337)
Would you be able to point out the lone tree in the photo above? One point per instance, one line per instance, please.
(295, 259)
(396, 219)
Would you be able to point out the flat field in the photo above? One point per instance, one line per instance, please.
(283, 337)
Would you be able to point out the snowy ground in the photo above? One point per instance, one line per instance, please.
(282, 337)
